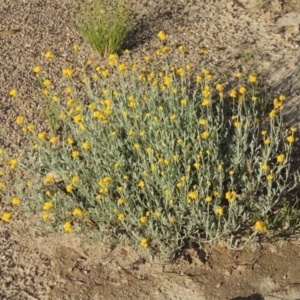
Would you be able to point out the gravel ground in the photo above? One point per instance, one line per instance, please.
(245, 35)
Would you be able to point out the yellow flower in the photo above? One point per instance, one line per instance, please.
(252, 78)
(219, 211)
(237, 124)
(37, 69)
(202, 122)
(62, 116)
(161, 35)
(6, 216)
(13, 163)
(181, 48)
(290, 139)
(179, 185)
(47, 82)
(122, 68)
(167, 80)
(158, 213)
(197, 165)
(15, 201)
(53, 140)
(231, 172)
(208, 199)
(242, 90)
(277, 103)
(144, 243)
(68, 227)
(69, 89)
(78, 118)
(141, 184)
(121, 200)
(70, 141)
(205, 134)
(69, 188)
(166, 49)
(282, 97)
(47, 205)
(260, 226)
(198, 78)
(75, 179)
(205, 102)
(45, 216)
(82, 127)
(267, 141)
(136, 146)
(121, 217)
(55, 98)
(49, 55)
(183, 101)
(172, 219)
(75, 154)
(272, 114)
(239, 75)
(67, 72)
(105, 73)
(79, 212)
(264, 167)
(153, 167)
(204, 50)
(216, 193)
(20, 120)
(173, 117)
(86, 145)
(270, 177)
(180, 72)
(230, 196)
(76, 47)
(193, 195)
(219, 87)
(208, 77)
(280, 158)
(167, 192)
(232, 93)
(13, 92)
(143, 219)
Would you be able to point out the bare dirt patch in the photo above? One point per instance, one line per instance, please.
(62, 266)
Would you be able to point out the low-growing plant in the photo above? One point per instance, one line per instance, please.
(162, 158)
(104, 24)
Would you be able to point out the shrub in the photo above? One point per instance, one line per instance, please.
(162, 158)
(104, 24)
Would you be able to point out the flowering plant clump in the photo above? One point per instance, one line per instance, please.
(152, 160)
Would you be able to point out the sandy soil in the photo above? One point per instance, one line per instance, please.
(249, 35)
